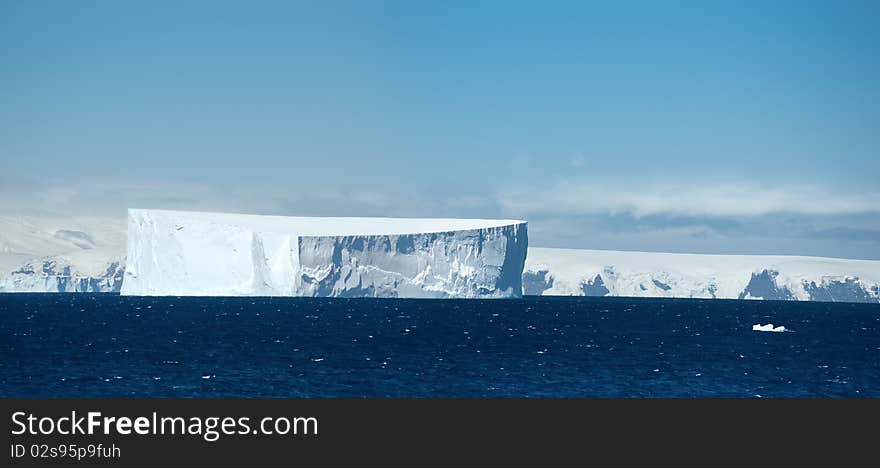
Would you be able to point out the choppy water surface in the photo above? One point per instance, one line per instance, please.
(99, 345)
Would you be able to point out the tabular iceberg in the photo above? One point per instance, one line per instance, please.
(572, 272)
(219, 254)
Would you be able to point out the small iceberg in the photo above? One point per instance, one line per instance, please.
(769, 328)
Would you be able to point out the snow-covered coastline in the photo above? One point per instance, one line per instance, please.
(574, 272)
(387, 257)
(61, 254)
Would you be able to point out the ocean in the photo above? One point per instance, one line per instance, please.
(105, 345)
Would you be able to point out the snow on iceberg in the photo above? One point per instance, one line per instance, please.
(221, 254)
(90, 270)
(769, 328)
(61, 254)
(572, 272)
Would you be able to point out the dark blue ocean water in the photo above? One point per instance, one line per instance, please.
(94, 345)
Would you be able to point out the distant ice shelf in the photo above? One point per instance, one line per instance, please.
(572, 272)
(219, 254)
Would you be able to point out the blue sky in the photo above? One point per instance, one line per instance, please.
(730, 127)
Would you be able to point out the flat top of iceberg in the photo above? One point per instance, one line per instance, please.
(324, 226)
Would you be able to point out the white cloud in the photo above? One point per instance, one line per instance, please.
(578, 161)
(728, 218)
(110, 197)
(685, 199)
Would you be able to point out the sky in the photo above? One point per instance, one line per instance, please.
(746, 127)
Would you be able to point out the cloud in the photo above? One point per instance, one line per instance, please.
(110, 197)
(848, 234)
(721, 200)
(695, 218)
(578, 161)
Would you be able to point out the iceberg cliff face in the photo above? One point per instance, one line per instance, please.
(570, 272)
(209, 254)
